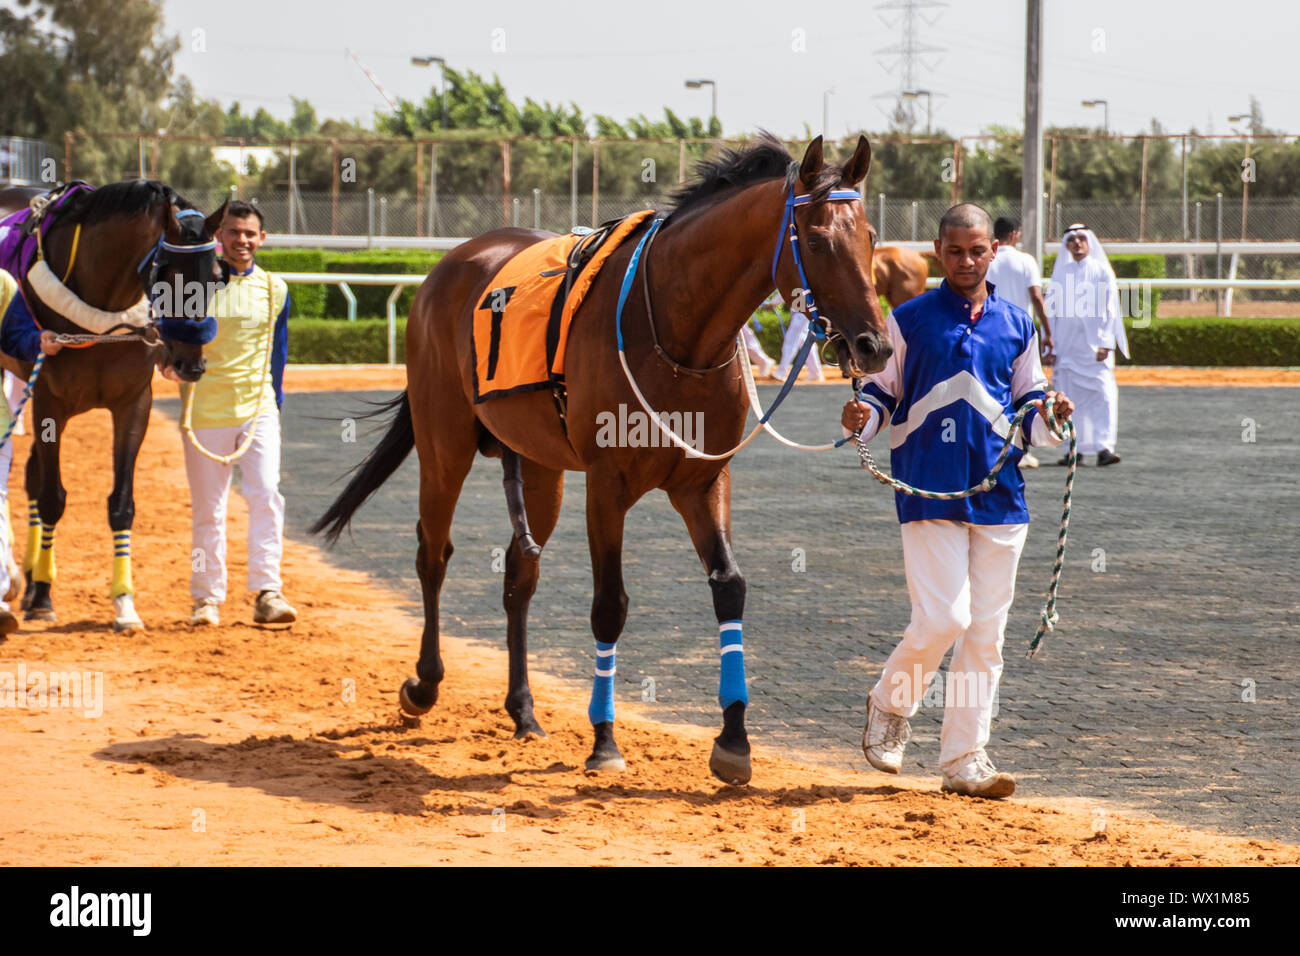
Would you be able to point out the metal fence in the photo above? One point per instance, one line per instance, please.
(23, 161)
(369, 213)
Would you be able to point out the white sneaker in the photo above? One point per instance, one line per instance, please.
(1028, 461)
(975, 776)
(272, 608)
(205, 613)
(884, 738)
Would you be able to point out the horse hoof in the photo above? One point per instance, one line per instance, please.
(532, 729)
(40, 614)
(127, 619)
(412, 697)
(728, 767)
(606, 763)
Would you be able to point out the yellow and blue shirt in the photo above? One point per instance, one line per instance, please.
(252, 314)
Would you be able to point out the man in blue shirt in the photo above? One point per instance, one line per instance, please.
(964, 362)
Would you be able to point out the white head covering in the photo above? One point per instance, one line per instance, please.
(1097, 254)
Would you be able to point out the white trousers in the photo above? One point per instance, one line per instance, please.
(794, 334)
(13, 389)
(761, 359)
(1096, 406)
(961, 579)
(209, 488)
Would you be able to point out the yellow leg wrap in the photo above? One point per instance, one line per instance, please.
(44, 570)
(33, 536)
(121, 565)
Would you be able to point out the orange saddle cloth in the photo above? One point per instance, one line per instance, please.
(521, 326)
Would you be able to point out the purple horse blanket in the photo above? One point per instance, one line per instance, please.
(17, 245)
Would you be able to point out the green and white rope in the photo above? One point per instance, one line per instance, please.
(1049, 617)
(22, 402)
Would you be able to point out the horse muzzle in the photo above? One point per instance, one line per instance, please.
(871, 350)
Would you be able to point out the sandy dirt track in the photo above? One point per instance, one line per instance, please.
(240, 746)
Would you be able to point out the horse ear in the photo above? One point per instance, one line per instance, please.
(213, 222)
(856, 169)
(811, 166)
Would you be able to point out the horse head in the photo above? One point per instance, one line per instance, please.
(836, 243)
(184, 274)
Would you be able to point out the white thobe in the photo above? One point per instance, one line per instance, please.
(1086, 317)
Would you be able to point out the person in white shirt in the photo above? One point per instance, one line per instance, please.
(1016, 277)
(1084, 300)
(794, 336)
(763, 364)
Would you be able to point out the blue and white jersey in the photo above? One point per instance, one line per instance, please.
(949, 392)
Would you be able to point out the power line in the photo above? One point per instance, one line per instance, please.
(908, 52)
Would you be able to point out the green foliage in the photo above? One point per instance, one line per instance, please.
(1217, 342)
(308, 301)
(373, 299)
(327, 342)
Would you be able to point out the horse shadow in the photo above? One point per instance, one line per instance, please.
(319, 768)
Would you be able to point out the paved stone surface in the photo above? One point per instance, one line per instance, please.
(1142, 697)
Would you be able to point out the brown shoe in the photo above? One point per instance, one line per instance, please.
(1107, 457)
(8, 624)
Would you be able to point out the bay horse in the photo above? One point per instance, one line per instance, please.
(110, 246)
(899, 273)
(711, 265)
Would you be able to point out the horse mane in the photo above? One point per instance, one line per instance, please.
(766, 158)
(129, 197)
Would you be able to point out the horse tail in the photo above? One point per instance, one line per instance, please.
(377, 468)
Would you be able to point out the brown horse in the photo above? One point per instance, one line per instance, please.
(899, 273)
(135, 237)
(709, 268)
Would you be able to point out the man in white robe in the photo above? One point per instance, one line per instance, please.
(1087, 327)
(794, 336)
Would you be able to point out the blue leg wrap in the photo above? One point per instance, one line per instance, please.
(602, 686)
(731, 682)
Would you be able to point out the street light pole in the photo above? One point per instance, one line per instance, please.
(442, 79)
(698, 84)
(1105, 112)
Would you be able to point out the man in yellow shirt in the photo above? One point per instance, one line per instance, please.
(232, 414)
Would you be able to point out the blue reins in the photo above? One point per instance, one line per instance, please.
(816, 330)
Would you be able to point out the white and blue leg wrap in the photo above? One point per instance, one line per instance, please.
(601, 710)
(731, 681)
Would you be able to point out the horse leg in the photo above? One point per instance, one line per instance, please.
(130, 421)
(543, 490)
(51, 496)
(440, 484)
(606, 516)
(32, 485)
(707, 513)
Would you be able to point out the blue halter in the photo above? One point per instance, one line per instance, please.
(188, 331)
(816, 332)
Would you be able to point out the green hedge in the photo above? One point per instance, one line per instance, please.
(373, 299)
(1195, 342)
(307, 301)
(331, 342)
(1216, 341)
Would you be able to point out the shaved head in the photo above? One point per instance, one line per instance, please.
(966, 215)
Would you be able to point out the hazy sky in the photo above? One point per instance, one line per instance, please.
(1187, 64)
